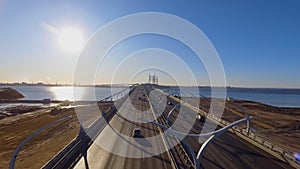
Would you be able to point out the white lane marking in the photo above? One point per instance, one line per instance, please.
(209, 156)
(143, 156)
(250, 159)
(226, 155)
(161, 133)
(80, 163)
(100, 162)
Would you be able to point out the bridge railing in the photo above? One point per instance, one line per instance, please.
(283, 154)
(76, 142)
(251, 137)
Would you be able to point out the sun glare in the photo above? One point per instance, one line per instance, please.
(70, 39)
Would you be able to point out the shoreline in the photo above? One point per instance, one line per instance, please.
(4, 101)
(127, 85)
(270, 96)
(274, 124)
(40, 149)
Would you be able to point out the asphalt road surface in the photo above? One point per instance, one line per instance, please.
(120, 150)
(228, 151)
(119, 143)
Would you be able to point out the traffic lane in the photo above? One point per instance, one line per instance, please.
(134, 105)
(131, 115)
(250, 153)
(150, 131)
(224, 157)
(155, 161)
(147, 131)
(238, 153)
(185, 121)
(139, 100)
(99, 158)
(231, 147)
(228, 152)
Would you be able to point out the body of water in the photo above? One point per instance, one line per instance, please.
(66, 92)
(275, 97)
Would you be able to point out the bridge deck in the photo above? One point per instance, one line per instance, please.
(228, 151)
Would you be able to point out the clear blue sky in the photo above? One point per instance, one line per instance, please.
(258, 41)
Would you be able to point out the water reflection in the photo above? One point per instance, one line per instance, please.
(62, 93)
(83, 93)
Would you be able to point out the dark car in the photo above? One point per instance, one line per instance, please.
(200, 118)
(136, 132)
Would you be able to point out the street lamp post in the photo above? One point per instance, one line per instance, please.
(212, 135)
(231, 100)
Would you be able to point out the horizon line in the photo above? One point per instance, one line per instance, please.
(128, 84)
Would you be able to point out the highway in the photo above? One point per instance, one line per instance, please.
(119, 143)
(228, 151)
(120, 150)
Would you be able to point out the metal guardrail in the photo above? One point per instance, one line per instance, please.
(183, 149)
(173, 163)
(83, 137)
(276, 149)
(281, 153)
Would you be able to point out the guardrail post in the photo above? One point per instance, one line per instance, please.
(211, 135)
(254, 137)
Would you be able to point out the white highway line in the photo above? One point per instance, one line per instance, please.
(226, 155)
(247, 157)
(209, 156)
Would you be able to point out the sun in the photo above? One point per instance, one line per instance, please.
(70, 39)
